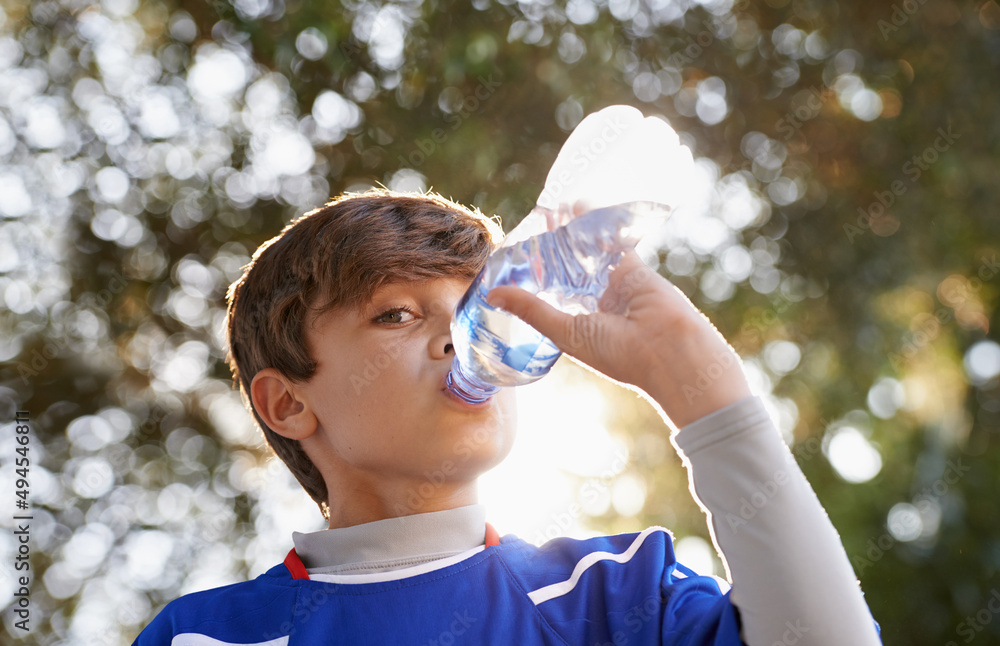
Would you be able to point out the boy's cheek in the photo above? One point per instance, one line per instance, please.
(374, 374)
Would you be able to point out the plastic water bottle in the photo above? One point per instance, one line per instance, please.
(626, 172)
(568, 267)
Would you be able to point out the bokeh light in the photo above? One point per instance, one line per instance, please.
(147, 151)
(850, 453)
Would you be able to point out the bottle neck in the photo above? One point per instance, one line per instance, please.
(468, 387)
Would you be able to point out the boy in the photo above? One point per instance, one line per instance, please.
(339, 338)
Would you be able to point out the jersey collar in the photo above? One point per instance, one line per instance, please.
(298, 570)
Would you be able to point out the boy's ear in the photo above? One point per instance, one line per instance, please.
(277, 402)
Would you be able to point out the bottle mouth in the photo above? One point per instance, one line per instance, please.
(468, 388)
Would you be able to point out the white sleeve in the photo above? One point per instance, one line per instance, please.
(791, 576)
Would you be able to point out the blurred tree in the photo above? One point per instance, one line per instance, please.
(843, 235)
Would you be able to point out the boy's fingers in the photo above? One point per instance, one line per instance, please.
(630, 276)
(530, 309)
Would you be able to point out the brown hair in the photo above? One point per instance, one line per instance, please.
(339, 255)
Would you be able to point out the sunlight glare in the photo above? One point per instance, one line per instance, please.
(561, 438)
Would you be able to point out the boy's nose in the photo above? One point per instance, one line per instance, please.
(441, 346)
(443, 312)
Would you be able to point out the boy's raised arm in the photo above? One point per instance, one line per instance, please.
(791, 577)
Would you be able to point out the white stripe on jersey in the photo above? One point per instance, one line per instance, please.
(542, 595)
(681, 572)
(395, 575)
(197, 639)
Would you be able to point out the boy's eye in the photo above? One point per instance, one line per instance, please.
(395, 315)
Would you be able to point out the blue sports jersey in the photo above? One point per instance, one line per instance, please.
(607, 591)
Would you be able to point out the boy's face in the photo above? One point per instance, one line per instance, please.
(384, 417)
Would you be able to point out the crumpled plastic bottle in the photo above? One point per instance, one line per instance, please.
(617, 177)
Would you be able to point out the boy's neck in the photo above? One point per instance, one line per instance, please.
(362, 507)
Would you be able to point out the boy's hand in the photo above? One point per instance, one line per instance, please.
(646, 333)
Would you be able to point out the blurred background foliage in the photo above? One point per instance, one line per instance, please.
(843, 235)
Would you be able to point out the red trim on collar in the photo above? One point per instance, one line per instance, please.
(295, 566)
(298, 569)
(492, 537)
